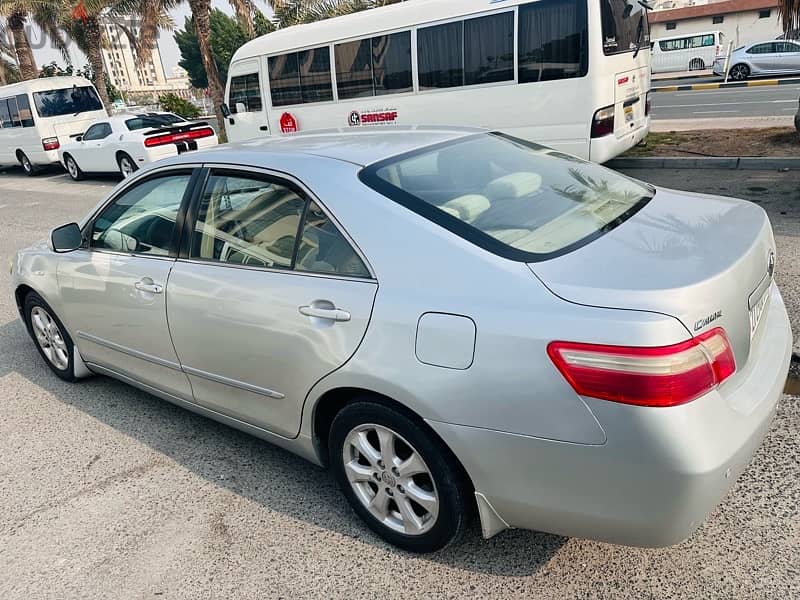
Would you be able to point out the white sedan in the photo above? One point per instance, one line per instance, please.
(124, 143)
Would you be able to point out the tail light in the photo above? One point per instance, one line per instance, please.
(663, 376)
(181, 136)
(647, 105)
(51, 143)
(603, 122)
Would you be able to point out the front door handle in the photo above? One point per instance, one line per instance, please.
(147, 285)
(331, 314)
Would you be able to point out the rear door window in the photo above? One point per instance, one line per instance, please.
(516, 199)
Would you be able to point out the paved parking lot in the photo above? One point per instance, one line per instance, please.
(107, 492)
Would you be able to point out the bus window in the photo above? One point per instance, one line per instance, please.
(66, 101)
(245, 91)
(5, 115)
(552, 40)
(301, 77)
(440, 55)
(25, 114)
(374, 66)
(13, 109)
(489, 49)
(391, 63)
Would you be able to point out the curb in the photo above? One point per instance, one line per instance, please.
(765, 163)
(723, 85)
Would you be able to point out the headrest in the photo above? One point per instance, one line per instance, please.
(514, 186)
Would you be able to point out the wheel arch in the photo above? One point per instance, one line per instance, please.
(20, 293)
(330, 403)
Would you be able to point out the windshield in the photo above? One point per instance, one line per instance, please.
(151, 121)
(517, 199)
(66, 101)
(625, 26)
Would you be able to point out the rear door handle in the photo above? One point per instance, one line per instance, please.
(147, 285)
(331, 314)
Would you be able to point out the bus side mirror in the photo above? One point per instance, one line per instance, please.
(226, 112)
(66, 238)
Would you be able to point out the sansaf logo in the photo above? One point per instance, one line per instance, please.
(363, 118)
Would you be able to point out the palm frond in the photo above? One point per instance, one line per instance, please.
(790, 14)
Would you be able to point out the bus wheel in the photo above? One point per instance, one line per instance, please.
(27, 166)
(697, 64)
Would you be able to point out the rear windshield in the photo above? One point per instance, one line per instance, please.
(517, 199)
(151, 121)
(625, 26)
(66, 101)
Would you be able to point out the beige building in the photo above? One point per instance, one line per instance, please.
(742, 21)
(129, 77)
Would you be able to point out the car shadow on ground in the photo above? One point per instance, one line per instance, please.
(54, 170)
(252, 468)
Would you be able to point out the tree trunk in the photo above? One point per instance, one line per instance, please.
(27, 64)
(94, 43)
(202, 28)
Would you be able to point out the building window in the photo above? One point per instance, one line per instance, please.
(672, 25)
(718, 20)
(765, 14)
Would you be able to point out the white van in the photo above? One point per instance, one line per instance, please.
(687, 52)
(570, 74)
(38, 116)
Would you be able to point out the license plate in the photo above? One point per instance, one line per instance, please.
(629, 114)
(757, 312)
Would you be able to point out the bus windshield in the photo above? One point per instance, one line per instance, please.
(625, 26)
(66, 101)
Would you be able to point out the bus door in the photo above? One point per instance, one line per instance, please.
(248, 118)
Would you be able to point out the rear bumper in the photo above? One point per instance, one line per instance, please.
(44, 157)
(155, 153)
(605, 148)
(660, 472)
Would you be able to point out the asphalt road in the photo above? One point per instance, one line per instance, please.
(107, 492)
(767, 101)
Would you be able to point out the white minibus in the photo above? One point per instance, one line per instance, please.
(687, 53)
(39, 115)
(564, 73)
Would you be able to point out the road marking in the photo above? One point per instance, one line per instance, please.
(790, 90)
(726, 103)
(713, 112)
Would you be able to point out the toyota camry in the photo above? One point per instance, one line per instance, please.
(456, 322)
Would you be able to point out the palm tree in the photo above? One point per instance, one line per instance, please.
(82, 24)
(42, 12)
(790, 14)
(9, 73)
(294, 12)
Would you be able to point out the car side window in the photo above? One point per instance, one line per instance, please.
(98, 131)
(247, 221)
(323, 249)
(142, 219)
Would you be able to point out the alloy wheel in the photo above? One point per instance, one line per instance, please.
(740, 72)
(26, 163)
(126, 167)
(49, 338)
(72, 167)
(390, 478)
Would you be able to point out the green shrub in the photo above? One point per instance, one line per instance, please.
(179, 106)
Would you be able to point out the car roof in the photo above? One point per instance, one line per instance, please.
(357, 147)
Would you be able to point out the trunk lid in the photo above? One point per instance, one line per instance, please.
(704, 260)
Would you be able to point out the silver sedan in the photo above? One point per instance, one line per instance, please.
(774, 57)
(455, 322)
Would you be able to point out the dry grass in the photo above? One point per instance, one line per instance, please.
(774, 141)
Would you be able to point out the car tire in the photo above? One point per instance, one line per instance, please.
(127, 166)
(739, 72)
(72, 167)
(27, 165)
(420, 506)
(50, 337)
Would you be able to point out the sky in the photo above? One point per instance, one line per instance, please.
(170, 55)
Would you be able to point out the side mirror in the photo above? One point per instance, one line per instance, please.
(240, 107)
(79, 138)
(226, 112)
(66, 238)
